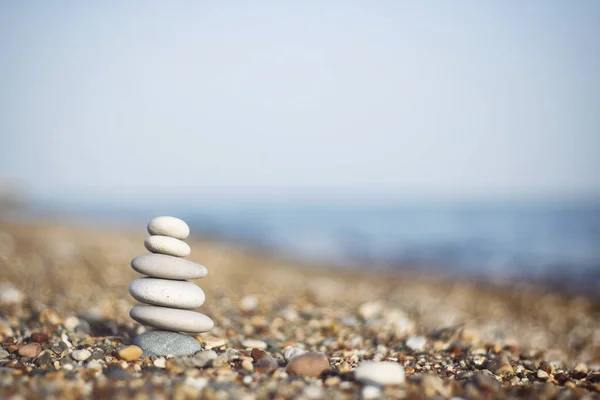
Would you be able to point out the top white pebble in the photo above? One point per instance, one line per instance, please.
(169, 226)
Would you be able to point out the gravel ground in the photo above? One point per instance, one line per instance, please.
(66, 332)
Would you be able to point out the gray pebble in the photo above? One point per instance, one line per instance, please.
(162, 343)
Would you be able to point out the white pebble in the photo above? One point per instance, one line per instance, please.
(160, 362)
(168, 267)
(370, 309)
(214, 342)
(313, 392)
(248, 303)
(416, 343)
(254, 344)
(380, 373)
(371, 392)
(167, 245)
(172, 319)
(94, 364)
(81, 355)
(10, 295)
(71, 322)
(169, 226)
(291, 352)
(167, 293)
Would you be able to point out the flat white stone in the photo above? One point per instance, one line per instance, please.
(169, 226)
(167, 245)
(168, 267)
(172, 319)
(167, 293)
(380, 373)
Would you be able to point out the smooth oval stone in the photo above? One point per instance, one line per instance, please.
(172, 319)
(167, 245)
(168, 267)
(162, 343)
(167, 293)
(380, 373)
(169, 226)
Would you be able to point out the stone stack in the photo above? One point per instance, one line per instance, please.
(170, 297)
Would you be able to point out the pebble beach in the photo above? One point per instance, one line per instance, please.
(282, 330)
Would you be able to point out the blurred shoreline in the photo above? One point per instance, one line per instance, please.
(552, 245)
(564, 281)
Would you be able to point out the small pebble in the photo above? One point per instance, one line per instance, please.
(308, 364)
(30, 350)
(94, 364)
(371, 392)
(39, 337)
(203, 358)
(81, 355)
(370, 310)
(266, 364)
(248, 303)
(416, 343)
(254, 343)
(220, 361)
(380, 373)
(291, 352)
(130, 353)
(3, 354)
(499, 365)
(10, 295)
(214, 342)
(160, 362)
(247, 365)
(541, 374)
(71, 322)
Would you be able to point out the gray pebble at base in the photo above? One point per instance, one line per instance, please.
(160, 343)
(166, 285)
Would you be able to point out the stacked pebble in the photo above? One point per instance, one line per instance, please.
(170, 296)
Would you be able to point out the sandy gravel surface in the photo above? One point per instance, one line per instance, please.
(65, 328)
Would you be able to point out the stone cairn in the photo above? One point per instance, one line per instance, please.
(170, 297)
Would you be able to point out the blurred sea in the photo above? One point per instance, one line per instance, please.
(530, 240)
(552, 241)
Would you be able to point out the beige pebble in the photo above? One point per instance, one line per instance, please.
(308, 364)
(30, 350)
(130, 353)
(247, 365)
(254, 344)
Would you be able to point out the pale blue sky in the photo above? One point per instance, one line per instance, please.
(396, 98)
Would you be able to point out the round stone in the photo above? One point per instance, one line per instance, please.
(172, 319)
(169, 226)
(380, 373)
(167, 245)
(308, 364)
(167, 293)
(163, 343)
(168, 267)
